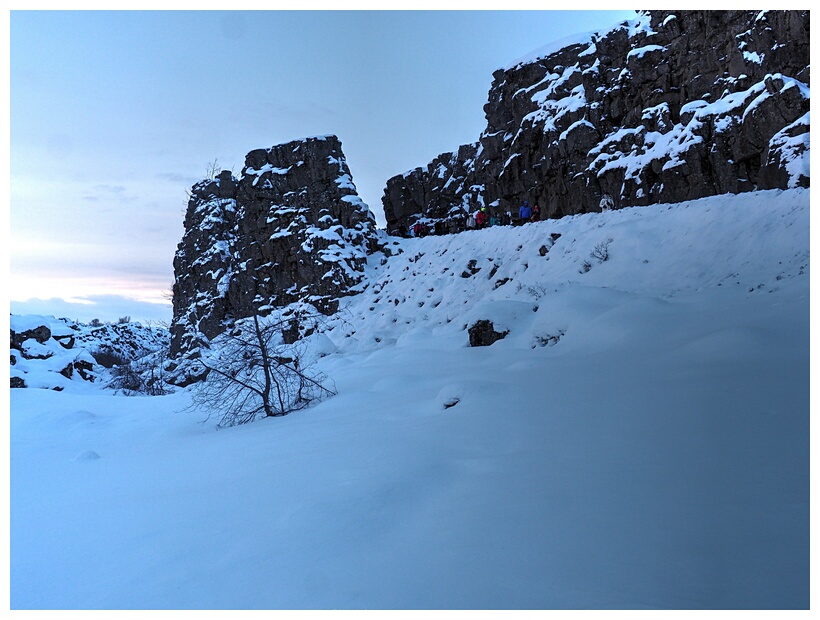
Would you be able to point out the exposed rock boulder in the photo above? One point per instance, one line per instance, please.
(40, 334)
(674, 106)
(290, 229)
(483, 334)
(82, 365)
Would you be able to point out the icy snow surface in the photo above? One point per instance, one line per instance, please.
(640, 439)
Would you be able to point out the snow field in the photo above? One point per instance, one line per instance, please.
(640, 439)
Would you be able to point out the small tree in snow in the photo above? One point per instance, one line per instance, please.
(601, 251)
(254, 373)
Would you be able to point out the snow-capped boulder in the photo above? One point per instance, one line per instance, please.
(33, 327)
(39, 359)
(673, 106)
(83, 364)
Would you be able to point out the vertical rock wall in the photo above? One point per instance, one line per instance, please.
(674, 106)
(290, 228)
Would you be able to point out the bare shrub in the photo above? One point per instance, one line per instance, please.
(143, 376)
(254, 373)
(601, 251)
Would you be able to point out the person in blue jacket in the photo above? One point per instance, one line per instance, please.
(524, 213)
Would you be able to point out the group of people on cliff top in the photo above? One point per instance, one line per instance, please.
(484, 218)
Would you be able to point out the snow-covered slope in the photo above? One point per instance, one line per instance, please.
(661, 253)
(639, 439)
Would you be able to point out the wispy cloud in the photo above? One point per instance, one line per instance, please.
(110, 189)
(103, 307)
(176, 178)
(111, 193)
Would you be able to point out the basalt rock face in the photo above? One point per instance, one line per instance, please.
(670, 107)
(204, 263)
(445, 189)
(290, 228)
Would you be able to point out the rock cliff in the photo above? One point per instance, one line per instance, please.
(673, 106)
(291, 228)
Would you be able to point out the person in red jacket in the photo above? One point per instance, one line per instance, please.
(420, 229)
(481, 217)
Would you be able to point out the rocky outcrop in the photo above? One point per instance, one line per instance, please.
(204, 262)
(444, 190)
(49, 353)
(291, 228)
(673, 106)
(38, 333)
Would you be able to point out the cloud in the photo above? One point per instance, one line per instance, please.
(109, 193)
(109, 189)
(103, 307)
(177, 178)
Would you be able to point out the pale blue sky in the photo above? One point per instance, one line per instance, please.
(115, 114)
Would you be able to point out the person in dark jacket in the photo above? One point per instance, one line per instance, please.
(536, 214)
(524, 213)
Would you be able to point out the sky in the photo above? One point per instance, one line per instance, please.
(115, 114)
